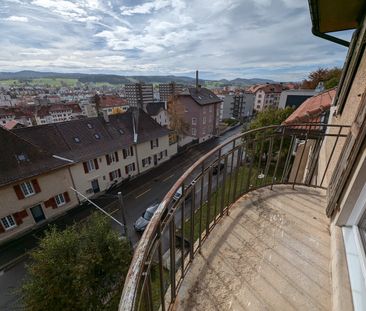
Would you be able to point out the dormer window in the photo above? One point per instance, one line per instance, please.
(89, 125)
(121, 131)
(77, 139)
(97, 136)
(22, 157)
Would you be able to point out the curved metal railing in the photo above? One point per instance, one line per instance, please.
(285, 154)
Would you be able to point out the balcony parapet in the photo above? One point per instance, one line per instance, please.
(265, 157)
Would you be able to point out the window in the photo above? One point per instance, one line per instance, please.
(115, 174)
(112, 157)
(166, 153)
(194, 132)
(77, 139)
(154, 143)
(121, 131)
(130, 168)
(90, 165)
(97, 136)
(22, 157)
(27, 188)
(60, 199)
(203, 131)
(204, 120)
(194, 121)
(146, 161)
(8, 222)
(127, 152)
(210, 108)
(89, 125)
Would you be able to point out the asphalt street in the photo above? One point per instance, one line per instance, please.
(138, 194)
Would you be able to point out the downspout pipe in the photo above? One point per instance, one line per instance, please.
(329, 37)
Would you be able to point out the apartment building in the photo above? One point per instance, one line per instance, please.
(199, 109)
(266, 95)
(34, 186)
(138, 94)
(104, 151)
(40, 164)
(166, 90)
(242, 105)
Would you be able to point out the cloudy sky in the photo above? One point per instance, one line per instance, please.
(221, 38)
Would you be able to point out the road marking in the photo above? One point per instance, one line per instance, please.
(165, 179)
(141, 194)
(114, 211)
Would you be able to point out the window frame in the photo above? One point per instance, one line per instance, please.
(91, 166)
(27, 188)
(8, 225)
(58, 201)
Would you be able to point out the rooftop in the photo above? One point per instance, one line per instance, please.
(312, 108)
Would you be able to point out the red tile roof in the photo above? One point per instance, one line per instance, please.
(312, 108)
(112, 101)
(267, 88)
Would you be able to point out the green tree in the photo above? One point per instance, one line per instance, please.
(270, 116)
(79, 268)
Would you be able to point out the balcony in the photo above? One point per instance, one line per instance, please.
(249, 230)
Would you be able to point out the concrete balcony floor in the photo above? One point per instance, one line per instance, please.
(271, 253)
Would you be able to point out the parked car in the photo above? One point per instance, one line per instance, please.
(218, 167)
(142, 222)
(178, 194)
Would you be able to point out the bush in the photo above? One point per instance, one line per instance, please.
(79, 268)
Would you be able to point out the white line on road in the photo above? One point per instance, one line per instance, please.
(166, 178)
(114, 211)
(141, 194)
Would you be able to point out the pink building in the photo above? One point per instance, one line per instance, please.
(199, 109)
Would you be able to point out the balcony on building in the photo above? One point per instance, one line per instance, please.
(249, 231)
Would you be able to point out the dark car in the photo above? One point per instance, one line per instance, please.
(218, 167)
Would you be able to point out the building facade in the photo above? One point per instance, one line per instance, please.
(266, 95)
(198, 109)
(138, 94)
(166, 90)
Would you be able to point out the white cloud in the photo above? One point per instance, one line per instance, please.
(145, 8)
(14, 18)
(226, 38)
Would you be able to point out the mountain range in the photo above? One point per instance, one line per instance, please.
(119, 79)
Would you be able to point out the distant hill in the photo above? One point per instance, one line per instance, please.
(118, 79)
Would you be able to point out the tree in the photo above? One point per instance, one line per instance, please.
(330, 77)
(176, 113)
(270, 116)
(261, 140)
(79, 268)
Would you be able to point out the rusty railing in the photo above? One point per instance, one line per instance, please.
(292, 154)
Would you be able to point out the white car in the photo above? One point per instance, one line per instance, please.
(178, 194)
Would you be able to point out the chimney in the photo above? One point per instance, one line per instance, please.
(197, 79)
(105, 116)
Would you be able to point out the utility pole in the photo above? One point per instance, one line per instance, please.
(125, 228)
(123, 225)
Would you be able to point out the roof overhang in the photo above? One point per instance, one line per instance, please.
(336, 15)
